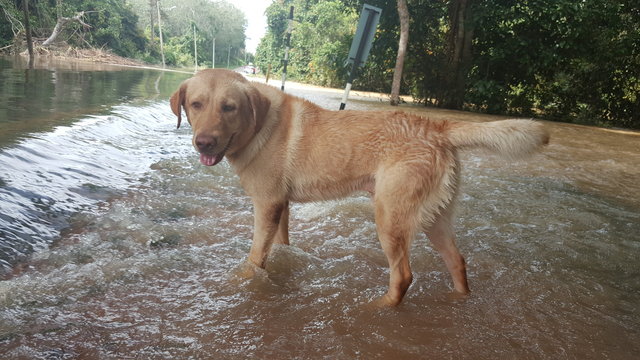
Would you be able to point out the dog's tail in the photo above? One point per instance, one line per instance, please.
(513, 138)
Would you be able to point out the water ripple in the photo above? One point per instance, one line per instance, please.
(52, 175)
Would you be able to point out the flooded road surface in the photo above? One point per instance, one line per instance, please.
(67, 141)
(135, 245)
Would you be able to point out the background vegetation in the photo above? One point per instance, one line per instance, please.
(575, 61)
(218, 20)
(130, 28)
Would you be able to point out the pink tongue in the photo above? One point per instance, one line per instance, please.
(208, 160)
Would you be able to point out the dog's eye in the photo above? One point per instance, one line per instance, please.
(196, 105)
(228, 108)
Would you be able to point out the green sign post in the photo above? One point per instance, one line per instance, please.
(361, 44)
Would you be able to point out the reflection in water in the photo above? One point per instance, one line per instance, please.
(145, 263)
(37, 100)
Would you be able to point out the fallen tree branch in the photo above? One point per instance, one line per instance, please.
(16, 25)
(62, 21)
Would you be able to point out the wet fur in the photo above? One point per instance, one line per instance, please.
(288, 149)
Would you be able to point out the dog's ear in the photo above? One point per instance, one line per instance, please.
(260, 105)
(177, 101)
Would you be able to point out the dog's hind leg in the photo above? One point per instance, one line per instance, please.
(443, 239)
(395, 240)
(396, 198)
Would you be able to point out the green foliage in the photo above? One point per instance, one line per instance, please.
(9, 22)
(568, 60)
(114, 25)
(319, 43)
(270, 51)
(179, 51)
(125, 27)
(218, 20)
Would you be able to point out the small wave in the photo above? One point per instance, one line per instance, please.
(52, 175)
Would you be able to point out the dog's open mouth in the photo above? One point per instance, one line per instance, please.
(213, 159)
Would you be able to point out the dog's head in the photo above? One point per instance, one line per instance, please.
(224, 110)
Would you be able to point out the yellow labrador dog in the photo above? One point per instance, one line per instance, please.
(286, 149)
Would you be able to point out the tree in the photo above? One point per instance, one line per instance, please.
(319, 43)
(218, 21)
(564, 60)
(27, 27)
(271, 46)
(403, 14)
(460, 36)
(60, 25)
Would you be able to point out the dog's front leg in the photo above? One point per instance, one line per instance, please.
(282, 236)
(267, 217)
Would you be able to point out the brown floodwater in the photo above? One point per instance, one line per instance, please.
(127, 248)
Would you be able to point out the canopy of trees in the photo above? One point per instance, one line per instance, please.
(576, 61)
(113, 23)
(216, 23)
(131, 28)
(320, 42)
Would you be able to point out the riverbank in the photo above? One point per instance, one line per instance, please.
(65, 51)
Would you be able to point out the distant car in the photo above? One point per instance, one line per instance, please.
(248, 69)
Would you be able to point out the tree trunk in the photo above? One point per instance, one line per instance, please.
(459, 49)
(58, 9)
(403, 13)
(27, 27)
(56, 31)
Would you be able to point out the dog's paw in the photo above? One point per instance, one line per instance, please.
(456, 295)
(247, 270)
(384, 302)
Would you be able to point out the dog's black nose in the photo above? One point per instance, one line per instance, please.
(205, 143)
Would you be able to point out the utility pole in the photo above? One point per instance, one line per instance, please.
(195, 47)
(286, 49)
(195, 43)
(151, 22)
(160, 33)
